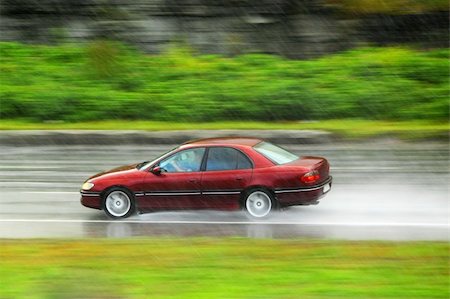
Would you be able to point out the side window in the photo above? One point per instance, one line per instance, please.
(184, 161)
(243, 162)
(225, 158)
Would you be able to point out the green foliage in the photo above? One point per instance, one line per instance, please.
(222, 268)
(106, 80)
(104, 59)
(389, 6)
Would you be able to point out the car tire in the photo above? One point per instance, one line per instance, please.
(259, 203)
(118, 203)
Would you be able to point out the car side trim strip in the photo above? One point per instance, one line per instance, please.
(174, 193)
(171, 193)
(221, 192)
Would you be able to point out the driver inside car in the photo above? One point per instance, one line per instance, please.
(186, 162)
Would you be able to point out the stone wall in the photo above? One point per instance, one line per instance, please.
(291, 28)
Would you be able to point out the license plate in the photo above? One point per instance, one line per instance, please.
(326, 188)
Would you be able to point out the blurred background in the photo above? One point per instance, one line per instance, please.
(372, 75)
(204, 61)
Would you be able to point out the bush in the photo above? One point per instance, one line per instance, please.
(106, 80)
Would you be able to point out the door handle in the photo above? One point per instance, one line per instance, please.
(238, 178)
(192, 180)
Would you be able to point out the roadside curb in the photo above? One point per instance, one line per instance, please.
(107, 137)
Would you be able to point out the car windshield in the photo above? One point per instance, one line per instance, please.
(275, 153)
(146, 164)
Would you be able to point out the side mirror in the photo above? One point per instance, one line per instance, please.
(156, 170)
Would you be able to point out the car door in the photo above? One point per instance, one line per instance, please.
(227, 172)
(177, 186)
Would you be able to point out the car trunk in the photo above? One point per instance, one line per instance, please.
(314, 163)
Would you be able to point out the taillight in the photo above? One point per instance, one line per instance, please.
(310, 177)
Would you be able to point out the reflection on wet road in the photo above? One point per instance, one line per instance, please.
(392, 191)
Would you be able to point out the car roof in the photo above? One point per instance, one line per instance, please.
(245, 141)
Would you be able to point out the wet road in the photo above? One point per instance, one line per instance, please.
(383, 190)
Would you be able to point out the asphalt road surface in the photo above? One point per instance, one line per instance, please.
(381, 191)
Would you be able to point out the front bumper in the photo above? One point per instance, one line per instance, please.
(90, 199)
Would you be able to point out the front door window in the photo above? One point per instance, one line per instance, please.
(189, 160)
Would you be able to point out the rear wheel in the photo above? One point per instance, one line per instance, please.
(118, 203)
(259, 203)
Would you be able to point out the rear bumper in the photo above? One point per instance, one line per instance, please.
(90, 199)
(305, 195)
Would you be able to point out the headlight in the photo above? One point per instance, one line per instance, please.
(87, 186)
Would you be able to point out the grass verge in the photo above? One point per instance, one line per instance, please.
(103, 80)
(222, 268)
(343, 128)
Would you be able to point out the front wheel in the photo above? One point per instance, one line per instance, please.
(118, 203)
(259, 203)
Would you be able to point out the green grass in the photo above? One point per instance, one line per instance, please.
(222, 268)
(105, 80)
(414, 130)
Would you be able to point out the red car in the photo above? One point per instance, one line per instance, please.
(217, 173)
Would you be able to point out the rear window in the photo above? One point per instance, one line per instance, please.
(275, 153)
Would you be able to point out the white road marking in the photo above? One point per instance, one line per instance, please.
(365, 168)
(48, 192)
(27, 167)
(369, 224)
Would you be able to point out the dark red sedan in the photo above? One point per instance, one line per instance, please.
(217, 173)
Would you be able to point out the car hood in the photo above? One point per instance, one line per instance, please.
(116, 171)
